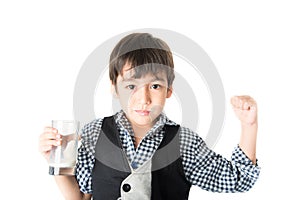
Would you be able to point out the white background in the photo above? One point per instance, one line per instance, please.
(255, 46)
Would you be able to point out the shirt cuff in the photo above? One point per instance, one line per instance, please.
(240, 160)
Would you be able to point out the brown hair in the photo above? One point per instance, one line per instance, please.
(139, 49)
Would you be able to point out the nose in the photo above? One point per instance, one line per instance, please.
(143, 95)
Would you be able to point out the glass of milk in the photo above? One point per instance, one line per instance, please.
(62, 159)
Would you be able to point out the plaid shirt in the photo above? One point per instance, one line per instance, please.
(202, 166)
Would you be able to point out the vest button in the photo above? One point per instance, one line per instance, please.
(126, 187)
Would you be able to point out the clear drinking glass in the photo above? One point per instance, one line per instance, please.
(62, 159)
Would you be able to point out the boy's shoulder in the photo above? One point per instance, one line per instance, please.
(91, 130)
(95, 124)
(184, 131)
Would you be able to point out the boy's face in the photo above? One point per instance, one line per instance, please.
(142, 99)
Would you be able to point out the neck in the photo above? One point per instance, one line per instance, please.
(140, 131)
(139, 134)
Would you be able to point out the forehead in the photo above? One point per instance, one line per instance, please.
(153, 71)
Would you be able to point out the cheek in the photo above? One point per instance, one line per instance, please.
(159, 98)
(125, 98)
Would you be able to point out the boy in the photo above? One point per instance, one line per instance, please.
(139, 153)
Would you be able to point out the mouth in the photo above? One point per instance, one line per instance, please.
(143, 112)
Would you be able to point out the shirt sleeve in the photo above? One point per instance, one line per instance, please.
(212, 172)
(85, 157)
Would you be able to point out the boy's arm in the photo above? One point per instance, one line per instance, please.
(70, 189)
(245, 109)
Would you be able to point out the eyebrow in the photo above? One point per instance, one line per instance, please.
(152, 80)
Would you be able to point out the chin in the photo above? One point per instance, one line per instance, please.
(143, 120)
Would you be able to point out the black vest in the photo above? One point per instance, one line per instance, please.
(111, 166)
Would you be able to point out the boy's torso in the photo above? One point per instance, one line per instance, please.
(156, 177)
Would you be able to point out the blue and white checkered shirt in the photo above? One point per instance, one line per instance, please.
(202, 166)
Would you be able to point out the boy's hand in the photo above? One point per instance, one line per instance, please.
(49, 138)
(245, 109)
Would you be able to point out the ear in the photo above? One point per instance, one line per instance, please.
(169, 92)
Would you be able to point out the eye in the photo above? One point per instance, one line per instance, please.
(130, 87)
(155, 86)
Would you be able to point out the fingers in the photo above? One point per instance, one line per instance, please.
(50, 134)
(243, 103)
(49, 138)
